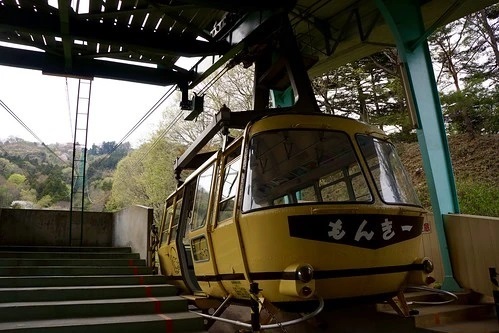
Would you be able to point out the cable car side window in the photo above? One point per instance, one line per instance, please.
(390, 177)
(176, 217)
(166, 222)
(199, 246)
(296, 166)
(229, 189)
(202, 198)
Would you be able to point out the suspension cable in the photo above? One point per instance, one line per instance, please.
(169, 126)
(139, 123)
(69, 110)
(157, 140)
(213, 80)
(30, 131)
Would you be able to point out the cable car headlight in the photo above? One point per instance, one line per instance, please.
(427, 266)
(305, 273)
(420, 276)
(298, 281)
(306, 292)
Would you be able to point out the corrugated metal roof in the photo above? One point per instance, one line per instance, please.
(75, 37)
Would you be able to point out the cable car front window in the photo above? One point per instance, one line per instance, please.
(387, 170)
(302, 166)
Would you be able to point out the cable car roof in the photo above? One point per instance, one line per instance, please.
(72, 39)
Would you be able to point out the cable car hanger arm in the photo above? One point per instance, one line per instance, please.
(224, 118)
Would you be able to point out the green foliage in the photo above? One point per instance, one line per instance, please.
(35, 175)
(7, 167)
(369, 89)
(8, 192)
(54, 186)
(28, 195)
(45, 201)
(105, 158)
(473, 110)
(144, 177)
(17, 179)
(477, 198)
(107, 184)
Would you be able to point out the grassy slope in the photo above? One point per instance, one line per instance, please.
(476, 169)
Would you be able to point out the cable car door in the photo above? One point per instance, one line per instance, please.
(182, 242)
(200, 238)
(168, 251)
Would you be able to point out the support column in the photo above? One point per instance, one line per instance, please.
(405, 22)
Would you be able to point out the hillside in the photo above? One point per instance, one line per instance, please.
(475, 163)
(476, 169)
(37, 176)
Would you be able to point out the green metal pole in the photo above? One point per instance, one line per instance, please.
(405, 21)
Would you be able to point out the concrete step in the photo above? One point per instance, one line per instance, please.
(73, 270)
(101, 249)
(22, 311)
(161, 322)
(490, 325)
(83, 280)
(66, 255)
(39, 294)
(70, 262)
(67, 289)
(468, 314)
(432, 316)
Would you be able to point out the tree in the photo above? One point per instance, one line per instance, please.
(7, 167)
(482, 110)
(8, 192)
(54, 186)
(145, 176)
(17, 179)
(467, 57)
(45, 201)
(368, 89)
(234, 90)
(484, 29)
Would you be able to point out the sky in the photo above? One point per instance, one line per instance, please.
(41, 102)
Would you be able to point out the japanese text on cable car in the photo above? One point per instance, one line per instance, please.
(369, 231)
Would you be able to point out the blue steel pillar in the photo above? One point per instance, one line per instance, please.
(405, 21)
(284, 98)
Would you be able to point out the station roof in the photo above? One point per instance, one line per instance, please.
(92, 38)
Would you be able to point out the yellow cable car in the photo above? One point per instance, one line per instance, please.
(303, 205)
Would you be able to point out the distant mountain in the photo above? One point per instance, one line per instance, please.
(41, 174)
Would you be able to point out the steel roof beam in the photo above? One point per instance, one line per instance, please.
(156, 43)
(241, 5)
(49, 64)
(67, 40)
(152, 6)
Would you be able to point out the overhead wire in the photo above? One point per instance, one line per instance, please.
(177, 118)
(169, 126)
(213, 80)
(146, 115)
(69, 110)
(157, 140)
(156, 105)
(30, 131)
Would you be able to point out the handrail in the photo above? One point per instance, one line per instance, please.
(270, 326)
(453, 297)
